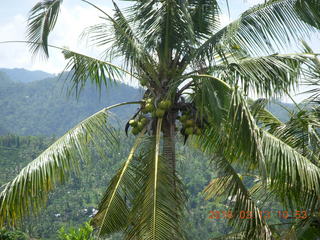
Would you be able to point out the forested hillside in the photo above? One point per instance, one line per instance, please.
(45, 108)
(75, 203)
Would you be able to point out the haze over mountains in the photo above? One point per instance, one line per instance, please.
(43, 107)
(24, 76)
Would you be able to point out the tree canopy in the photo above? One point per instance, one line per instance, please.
(197, 78)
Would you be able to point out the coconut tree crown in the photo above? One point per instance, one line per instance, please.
(196, 75)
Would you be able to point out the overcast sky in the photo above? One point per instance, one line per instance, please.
(75, 16)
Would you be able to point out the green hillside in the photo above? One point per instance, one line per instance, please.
(44, 108)
(74, 203)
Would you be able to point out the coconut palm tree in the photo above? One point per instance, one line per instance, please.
(301, 132)
(197, 76)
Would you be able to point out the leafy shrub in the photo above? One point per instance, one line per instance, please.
(83, 233)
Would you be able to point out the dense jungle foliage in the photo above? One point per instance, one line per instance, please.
(73, 204)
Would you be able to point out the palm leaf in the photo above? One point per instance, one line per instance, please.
(164, 26)
(83, 68)
(232, 186)
(42, 19)
(263, 117)
(28, 191)
(267, 75)
(125, 44)
(262, 29)
(157, 210)
(113, 211)
(272, 24)
(205, 18)
(294, 176)
(240, 137)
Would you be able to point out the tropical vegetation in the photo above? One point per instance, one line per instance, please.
(197, 78)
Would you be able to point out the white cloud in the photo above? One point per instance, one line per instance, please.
(69, 26)
(225, 20)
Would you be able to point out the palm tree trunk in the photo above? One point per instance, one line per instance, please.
(169, 153)
(169, 142)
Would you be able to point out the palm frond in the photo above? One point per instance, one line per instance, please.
(28, 191)
(310, 14)
(240, 137)
(156, 211)
(230, 184)
(83, 68)
(164, 26)
(299, 132)
(113, 211)
(293, 177)
(261, 30)
(263, 117)
(267, 76)
(42, 19)
(313, 73)
(205, 18)
(124, 43)
(274, 24)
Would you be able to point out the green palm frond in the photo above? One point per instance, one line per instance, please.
(267, 75)
(42, 19)
(299, 132)
(164, 26)
(275, 23)
(263, 117)
(310, 14)
(113, 211)
(83, 68)
(156, 211)
(124, 43)
(240, 137)
(28, 191)
(205, 18)
(261, 29)
(232, 186)
(294, 178)
(212, 95)
(313, 73)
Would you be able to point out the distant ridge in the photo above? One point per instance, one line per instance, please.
(24, 76)
(41, 107)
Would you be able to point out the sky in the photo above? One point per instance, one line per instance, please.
(74, 17)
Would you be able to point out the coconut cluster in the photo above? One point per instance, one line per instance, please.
(189, 124)
(149, 107)
(138, 124)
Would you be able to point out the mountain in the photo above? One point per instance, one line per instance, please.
(44, 108)
(23, 75)
(281, 109)
(4, 79)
